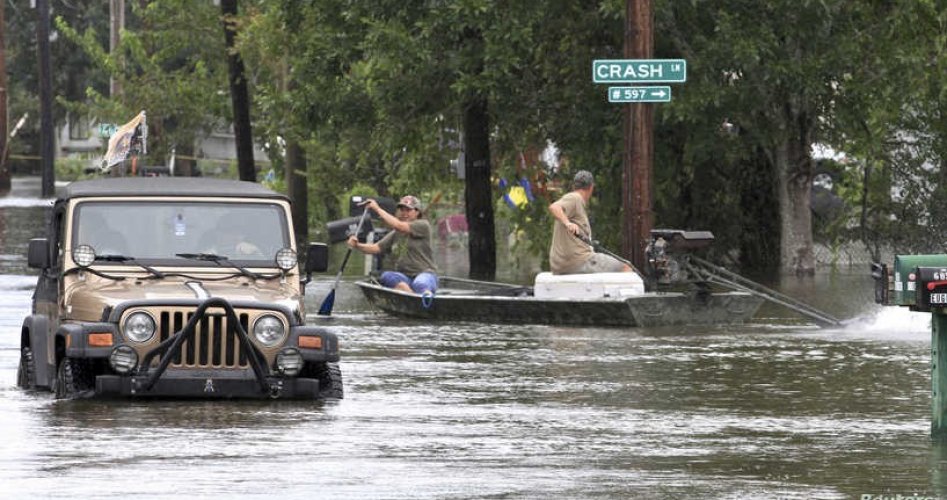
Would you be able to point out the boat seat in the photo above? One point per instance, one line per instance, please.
(588, 286)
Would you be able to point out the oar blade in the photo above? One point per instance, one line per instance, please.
(326, 308)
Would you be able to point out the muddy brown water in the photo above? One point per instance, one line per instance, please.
(772, 409)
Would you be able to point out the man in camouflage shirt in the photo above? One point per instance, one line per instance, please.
(409, 243)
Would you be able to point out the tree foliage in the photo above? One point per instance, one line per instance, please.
(170, 62)
(375, 93)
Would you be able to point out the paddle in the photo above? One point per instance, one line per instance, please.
(599, 248)
(326, 308)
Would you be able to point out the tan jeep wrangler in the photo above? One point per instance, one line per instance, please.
(174, 287)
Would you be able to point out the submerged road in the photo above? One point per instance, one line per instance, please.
(772, 409)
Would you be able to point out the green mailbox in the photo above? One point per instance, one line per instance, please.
(931, 288)
(919, 282)
(903, 291)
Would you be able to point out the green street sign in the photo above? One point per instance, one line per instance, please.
(107, 129)
(639, 70)
(639, 94)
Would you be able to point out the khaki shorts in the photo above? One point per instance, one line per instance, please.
(601, 263)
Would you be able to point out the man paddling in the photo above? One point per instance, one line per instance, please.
(409, 243)
(568, 254)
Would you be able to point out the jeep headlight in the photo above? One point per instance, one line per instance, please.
(83, 255)
(268, 330)
(286, 259)
(123, 359)
(139, 327)
(289, 361)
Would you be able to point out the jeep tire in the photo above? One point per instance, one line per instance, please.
(74, 379)
(330, 380)
(26, 372)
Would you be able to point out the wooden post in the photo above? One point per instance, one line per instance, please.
(939, 375)
(46, 138)
(638, 151)
(116, 25)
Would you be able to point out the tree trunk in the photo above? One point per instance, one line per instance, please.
(759, 239)
(4, 169)
(794, 165)
(238, 95)
(478, 193)
(298, 189)
(186, 166)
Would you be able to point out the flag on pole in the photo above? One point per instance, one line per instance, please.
(131, 136)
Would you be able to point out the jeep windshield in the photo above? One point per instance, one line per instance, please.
(155, 232)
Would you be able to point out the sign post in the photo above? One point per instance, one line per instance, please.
(638, 119)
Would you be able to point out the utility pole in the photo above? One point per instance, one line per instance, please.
(5, 182)
(46, 142)
(116, 25)
(638, 153)
(239, 95)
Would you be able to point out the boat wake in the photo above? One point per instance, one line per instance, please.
(891, 322)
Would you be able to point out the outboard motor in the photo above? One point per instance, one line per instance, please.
(667, 252)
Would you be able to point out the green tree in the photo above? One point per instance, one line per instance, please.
(892, 119)
(774, 70)
(170, 63)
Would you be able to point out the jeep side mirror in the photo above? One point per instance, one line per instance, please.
(317, 260)
(37, 256)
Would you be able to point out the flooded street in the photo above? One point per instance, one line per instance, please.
(773, 409)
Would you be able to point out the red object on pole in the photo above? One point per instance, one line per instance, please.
(638, 151)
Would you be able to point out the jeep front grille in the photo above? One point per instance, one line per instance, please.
(214, 345)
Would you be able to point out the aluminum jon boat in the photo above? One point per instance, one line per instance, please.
(594, 302)
(683, 289)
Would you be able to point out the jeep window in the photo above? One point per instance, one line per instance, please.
(154, 232)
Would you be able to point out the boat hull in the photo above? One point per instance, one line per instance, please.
(496, 305)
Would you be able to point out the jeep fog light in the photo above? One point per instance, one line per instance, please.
(83, 255)
(139, 327)
(286, 259)
(268, 330)
(289, 362)
(123, 359)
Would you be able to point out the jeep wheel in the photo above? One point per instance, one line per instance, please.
(74, 379)
(330, 381)
(26, 372)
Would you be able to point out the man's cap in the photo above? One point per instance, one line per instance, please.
(410, 202)
(582, 179)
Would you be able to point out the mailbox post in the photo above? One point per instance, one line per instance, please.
(919, 282)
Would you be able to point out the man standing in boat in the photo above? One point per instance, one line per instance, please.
(568, 254)
(409, 243)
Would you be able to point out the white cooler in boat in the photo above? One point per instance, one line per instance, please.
(587, 286)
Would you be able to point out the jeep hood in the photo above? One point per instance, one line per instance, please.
(85, 300)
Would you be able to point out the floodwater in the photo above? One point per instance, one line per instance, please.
(773, 409)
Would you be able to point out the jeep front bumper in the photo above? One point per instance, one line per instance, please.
(207, 384)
